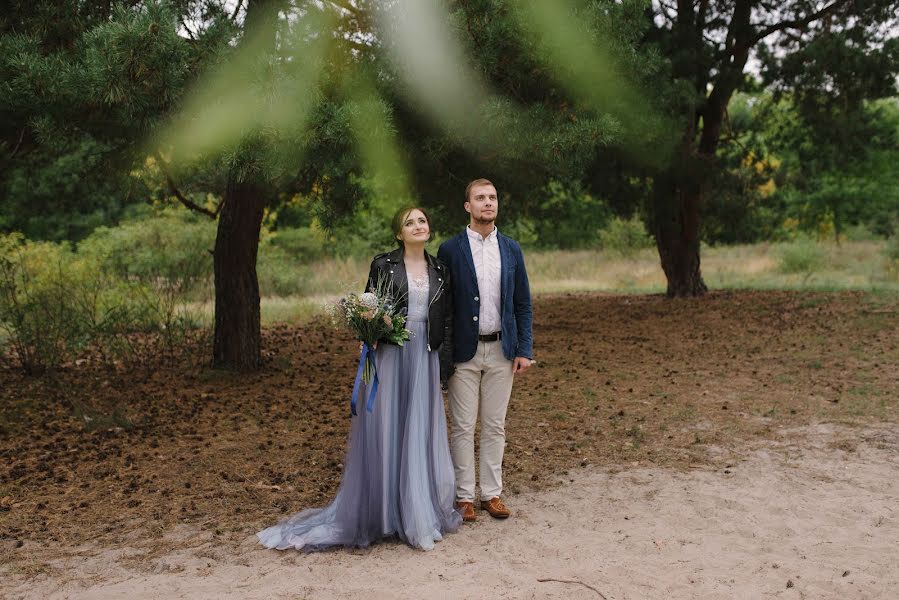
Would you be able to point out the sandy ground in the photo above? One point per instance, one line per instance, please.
(812, 514)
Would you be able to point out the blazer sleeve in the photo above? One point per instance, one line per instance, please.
(521, 300)
(443, 254)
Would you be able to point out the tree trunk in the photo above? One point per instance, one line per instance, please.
(678, 192)
(676, 224)
(237, 341)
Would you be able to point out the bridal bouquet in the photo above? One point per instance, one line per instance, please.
(373, 317)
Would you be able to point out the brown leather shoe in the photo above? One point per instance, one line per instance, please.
(466, 509)
(496, 508)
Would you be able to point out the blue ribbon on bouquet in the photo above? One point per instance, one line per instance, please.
(367, 354)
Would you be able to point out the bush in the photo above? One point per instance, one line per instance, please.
(168, 256)
(625, 237)
(523, 231)
(56, 303)
(364, 234)
(171, 252)
(861, 233)
(302, 244)
(284, 255)
(565, 217)
(891, 250)
(891, 255)
(35, 286)
(802, 255)
(279, 272)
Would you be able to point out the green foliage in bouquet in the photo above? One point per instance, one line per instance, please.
(373, 315)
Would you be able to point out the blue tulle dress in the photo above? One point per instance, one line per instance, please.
(398, 478)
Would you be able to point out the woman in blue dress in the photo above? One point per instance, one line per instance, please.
(398, 480)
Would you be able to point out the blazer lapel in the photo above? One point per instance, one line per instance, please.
(465, 248)
(505, 259)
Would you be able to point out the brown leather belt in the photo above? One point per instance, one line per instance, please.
(490, 337)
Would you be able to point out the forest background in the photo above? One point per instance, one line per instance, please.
(708, 199)
(170, 165)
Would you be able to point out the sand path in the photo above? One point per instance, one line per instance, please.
(814, 514)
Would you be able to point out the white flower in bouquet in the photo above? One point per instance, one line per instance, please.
(369, 300)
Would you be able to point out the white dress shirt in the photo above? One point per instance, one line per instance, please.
(487, 267)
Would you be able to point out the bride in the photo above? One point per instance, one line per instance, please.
(398, 479)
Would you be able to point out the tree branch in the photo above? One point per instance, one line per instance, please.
(18, 144)
(544, 579)
(796, 23)
(190, 33)
(347, 6)
(173, 189)
(361, 46)
(700, 17)
(236, 10)
(666, 11)
(739, 23)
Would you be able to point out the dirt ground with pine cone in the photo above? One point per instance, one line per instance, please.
(126, 467)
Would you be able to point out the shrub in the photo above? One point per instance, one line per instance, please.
(802, 255)
(891, 255)
(35, 311)
(891, 250)
(523, 231)
(365, 234)
(169, 252)
(565, 217)
(167, 255)
(55, 303)
(861, 233)
(301, 244)
(279, 272)
(625, 237)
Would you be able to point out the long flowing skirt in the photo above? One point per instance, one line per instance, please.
(398, 478)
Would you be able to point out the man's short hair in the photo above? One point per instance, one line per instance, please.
(474, 184)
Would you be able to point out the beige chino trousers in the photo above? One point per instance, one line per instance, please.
(482, 386)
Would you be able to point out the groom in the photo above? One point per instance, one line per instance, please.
(493, 342)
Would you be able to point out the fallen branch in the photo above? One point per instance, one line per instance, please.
(574, 581)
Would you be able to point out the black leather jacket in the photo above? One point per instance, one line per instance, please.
(390, 267)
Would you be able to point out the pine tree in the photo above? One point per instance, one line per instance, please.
(82, 84)
(709, 45)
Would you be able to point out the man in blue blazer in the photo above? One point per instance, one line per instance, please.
(493, 340)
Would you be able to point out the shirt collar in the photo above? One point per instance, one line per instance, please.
(474, 235)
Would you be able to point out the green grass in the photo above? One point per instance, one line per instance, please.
(851, 265)
(847, 266)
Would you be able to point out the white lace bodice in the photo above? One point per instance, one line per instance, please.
(418, 298)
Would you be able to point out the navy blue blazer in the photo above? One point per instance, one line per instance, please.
(515, 298)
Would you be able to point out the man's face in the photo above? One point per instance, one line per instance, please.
(482, 204)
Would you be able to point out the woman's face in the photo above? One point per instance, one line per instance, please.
(415, 228)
